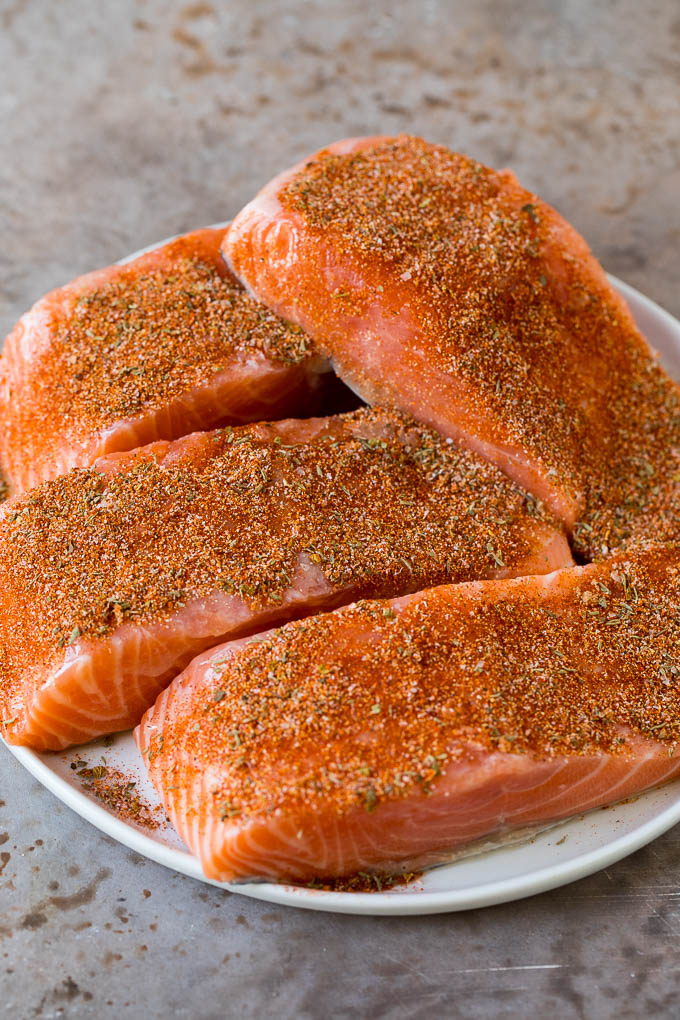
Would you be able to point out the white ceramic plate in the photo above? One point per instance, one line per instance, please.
(558, 855)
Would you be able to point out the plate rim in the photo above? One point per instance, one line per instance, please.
(439, 901)
(484, 894)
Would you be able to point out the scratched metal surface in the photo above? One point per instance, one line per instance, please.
(118, 129)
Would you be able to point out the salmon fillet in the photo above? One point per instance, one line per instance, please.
(113, 578)
(385, 734)
(168, 344)
(444, 288)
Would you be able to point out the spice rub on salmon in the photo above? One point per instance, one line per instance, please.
(168, 344)
(444, 288)
(113, 578)
(386, 734)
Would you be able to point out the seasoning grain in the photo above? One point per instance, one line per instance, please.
(127, 343)
(504, 297)
(142, 339)
(118, 791)
(372, 502)
(586, 664)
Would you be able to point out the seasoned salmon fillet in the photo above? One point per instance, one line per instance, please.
(112, 578)
(155, 349)
(386, 734)
(444, 288)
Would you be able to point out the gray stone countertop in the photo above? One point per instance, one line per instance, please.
(123, 123)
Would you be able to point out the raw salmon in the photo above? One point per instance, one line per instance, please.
(444, 288)
(385, 734)
(155, 349)
(113, 578)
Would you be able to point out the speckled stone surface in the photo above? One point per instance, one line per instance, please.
(123, 123)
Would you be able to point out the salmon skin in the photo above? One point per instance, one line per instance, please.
(387, 734)
(444, 288)
(155, 349)
(114, 577)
